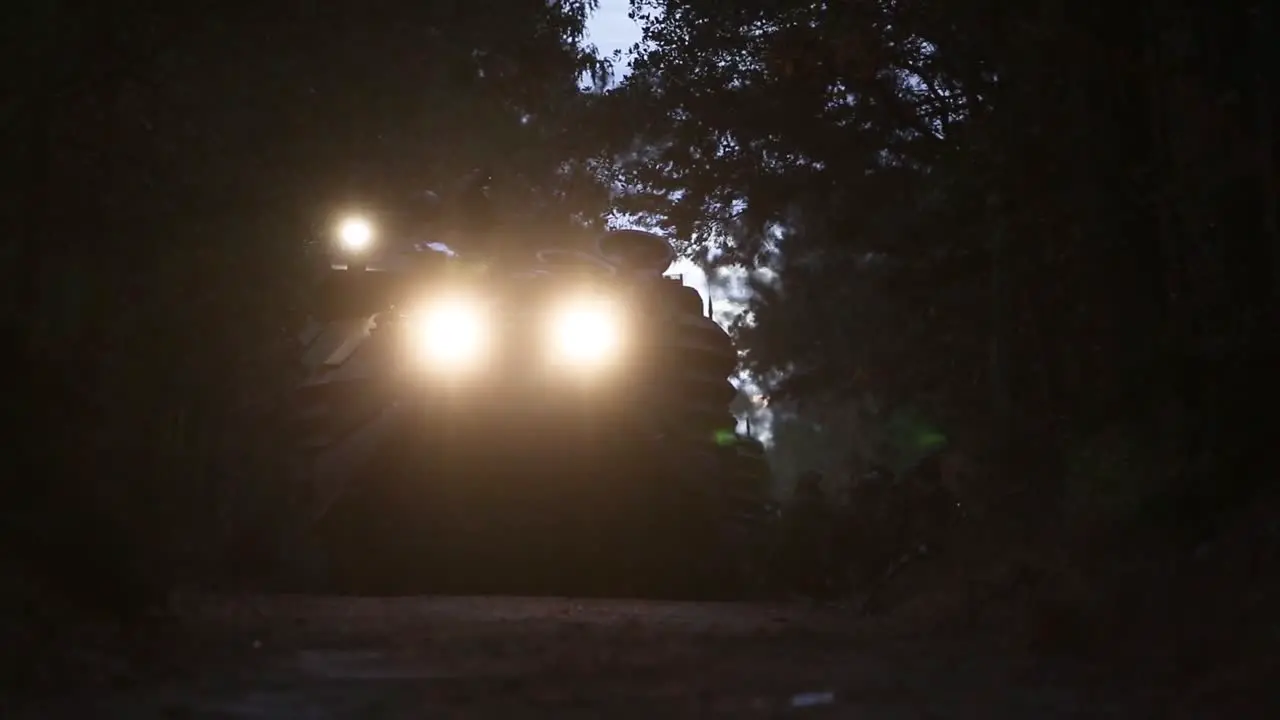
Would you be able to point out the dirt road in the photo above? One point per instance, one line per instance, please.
(297, 657)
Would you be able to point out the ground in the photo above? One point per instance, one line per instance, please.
(306, 657)
(954, 640)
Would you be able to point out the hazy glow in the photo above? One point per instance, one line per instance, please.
(586, 333)
(355, 234)
(449, 334)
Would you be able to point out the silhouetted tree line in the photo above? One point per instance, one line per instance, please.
(1041, 234)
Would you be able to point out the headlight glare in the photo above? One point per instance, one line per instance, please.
(586, 333)
(355, 235)
(450, 334)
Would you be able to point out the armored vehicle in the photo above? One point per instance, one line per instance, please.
(552, 425)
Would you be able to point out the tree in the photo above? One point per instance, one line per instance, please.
(998, 215)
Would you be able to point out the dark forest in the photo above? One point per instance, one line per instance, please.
(1023, 258)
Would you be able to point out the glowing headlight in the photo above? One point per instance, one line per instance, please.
(449, 333)
(355, 235)
(586, 333)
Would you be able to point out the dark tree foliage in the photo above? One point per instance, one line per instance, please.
(1045, 231)
(167, 165)
(1049, 228)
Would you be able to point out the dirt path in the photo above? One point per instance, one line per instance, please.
(294, 657)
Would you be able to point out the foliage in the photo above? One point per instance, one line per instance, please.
(1000, 217)
(1043, 232)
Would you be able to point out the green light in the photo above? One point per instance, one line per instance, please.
(725, 438)
(930, 440)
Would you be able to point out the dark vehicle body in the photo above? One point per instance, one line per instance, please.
(516, 473)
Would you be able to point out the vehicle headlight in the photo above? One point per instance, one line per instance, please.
(355, 235)
(450, 334)
(586, 332)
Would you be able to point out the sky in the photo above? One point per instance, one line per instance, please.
(610, 29)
